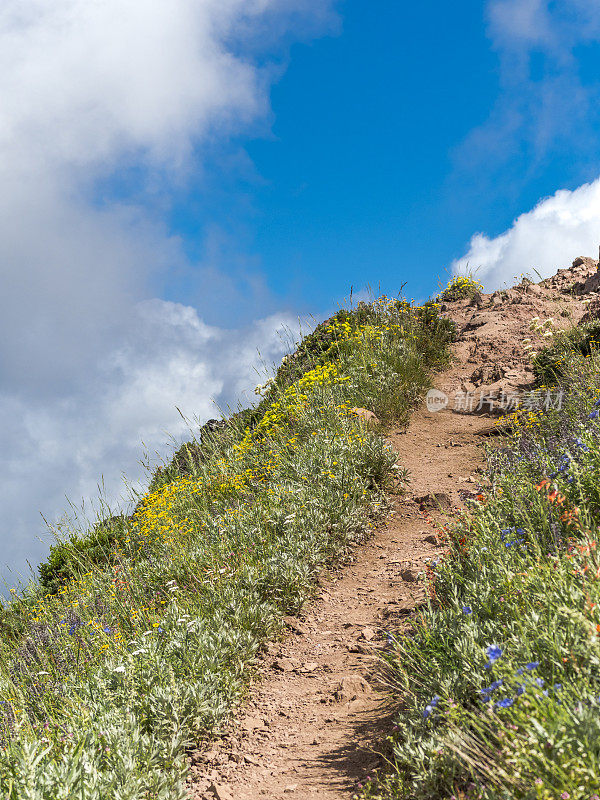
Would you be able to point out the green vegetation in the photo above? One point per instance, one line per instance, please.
(140, 637)
(548, 365)
(460, 287)
(499, 686)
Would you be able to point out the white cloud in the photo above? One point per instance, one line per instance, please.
(518, 22)
(108, 108)
(549, 236)
(65, 446)
(529, 24)
(88, 79)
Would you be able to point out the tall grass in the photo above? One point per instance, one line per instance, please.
(141, 637)
(499, 687)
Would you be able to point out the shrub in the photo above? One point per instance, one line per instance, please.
(549, 363)
(68, 559)
(459, 287)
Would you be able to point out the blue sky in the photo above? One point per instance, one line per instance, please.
(352, 183)
(180, 181)
(370, 172)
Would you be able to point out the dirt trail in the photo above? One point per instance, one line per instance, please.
(314, 718)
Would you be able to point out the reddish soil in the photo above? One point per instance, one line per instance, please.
(317, 716)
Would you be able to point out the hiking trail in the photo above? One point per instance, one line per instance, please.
(316, 717)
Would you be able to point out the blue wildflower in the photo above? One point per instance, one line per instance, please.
(467, 610)
(493, 652)
(107, 630)
(506, 702)
(597, 403)
(496, 684)
(557, 687)
(485, 698)
(520, 671)
(540, 682)
(532, 665)
(520, 689)
(594, 415)
(430, 707)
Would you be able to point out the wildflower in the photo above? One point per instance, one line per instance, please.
(594, 414)
(532, 665)
(487, 690)
(506, 702)
(467, 610)
(431, 705)
(520, 689)
(565, 796)
(540, 682)
(120, 669)
(493, 652)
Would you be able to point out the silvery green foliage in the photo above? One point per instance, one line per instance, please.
(103, 691)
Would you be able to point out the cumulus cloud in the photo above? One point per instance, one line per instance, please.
(125, 407)
(108, 112)
(549, 236)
